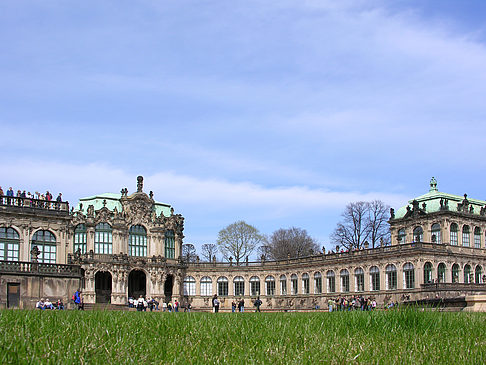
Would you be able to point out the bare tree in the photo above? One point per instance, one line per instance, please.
(362, 221)
(377, 223)
(189, 252)
(238, 240)
(295, 242)
(209, 251)
(353, 231)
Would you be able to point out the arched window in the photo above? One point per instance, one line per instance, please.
(317, 283)
(206, 286)
(467, 274)
(305, 284)
(427, 273)
(441, 273)
(402, 237)
(374, 278)
(294, 282)
(331, 282)
(283, 285)
(46, 243)
(254, 286)
(408, 276)
(270, 285)
(137, 241)
(466, 234)
(359, 279)
(478, 274)
(344, 280)
(169, 244)
(418, 234)
(80, 238)
(189, 285)
(391, 277)
(436, 235)
(9, 244)
(477, 237)
(455, 273)
(239, 286)
(453, 234)
(103, 239)
(222, 286)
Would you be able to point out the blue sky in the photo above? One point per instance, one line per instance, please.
(276, 113)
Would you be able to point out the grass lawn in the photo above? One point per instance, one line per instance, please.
(98, 337)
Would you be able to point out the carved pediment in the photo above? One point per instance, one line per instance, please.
(137, 207)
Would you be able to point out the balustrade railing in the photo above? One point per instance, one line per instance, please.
(25, 267)
(20, 202)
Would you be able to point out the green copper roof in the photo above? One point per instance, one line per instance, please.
(112, 200)
(432, 201)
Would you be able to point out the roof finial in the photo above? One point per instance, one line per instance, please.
(433, 184)
(139, 184)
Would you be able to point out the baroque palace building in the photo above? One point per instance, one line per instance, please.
(115, 246)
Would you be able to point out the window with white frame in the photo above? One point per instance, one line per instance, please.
(206, 286)
(294, 282)
(391, 277)
(239, 286)
(222, 283)
(317, 283)
(103, 239)
(189, 285)
(331, 281)
(305, 283)
(408, 276)
(453, 234)
(137, 241)
(46, 243)
(477, 237)
(436, 234)
(466, 234)
(270, 285)
(283, 285)
(80, 238)
(9, 244)
(344, 281)
(375, 278)
(254, 286)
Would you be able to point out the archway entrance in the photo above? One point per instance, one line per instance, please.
(103, 287)
(137, 284)
(169, 283)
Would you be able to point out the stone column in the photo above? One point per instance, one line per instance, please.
(90, 235)
(24, 254)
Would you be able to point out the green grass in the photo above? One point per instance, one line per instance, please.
(97, 337)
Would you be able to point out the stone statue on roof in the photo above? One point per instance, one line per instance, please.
(433, 184)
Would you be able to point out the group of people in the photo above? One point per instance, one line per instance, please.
(23, 198)
(46, 304)
(352, 303)
(152, 304)
(240, 304)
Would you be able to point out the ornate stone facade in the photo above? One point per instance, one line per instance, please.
(130, 245)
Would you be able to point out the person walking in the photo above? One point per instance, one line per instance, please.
(258, 303)
(77, 299)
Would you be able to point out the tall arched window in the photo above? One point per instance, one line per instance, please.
(477, 237)
(418, 234)
(9, 244)
(46, 243)
(359, 279)
(331, 281)
(254, 286)
(375, 278)
(283, 285)
(408, 276)
(206, 286)
(391, 277)
(103, 239)
(344, 280)
(453, 234)
(169, 244)
(402, 237)
(80, 238)
(467, 274)
(137, 241)
(239, 286)
(294, 282)
(270, 285)
(189, 285)
(466, 234)
(427, 272)
(317, 283)
(455, 273)
(222, 286)
(305, 283)
(478, 274)
(441, 273)
(436, 235)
